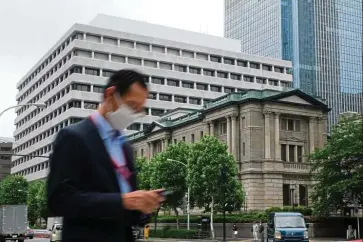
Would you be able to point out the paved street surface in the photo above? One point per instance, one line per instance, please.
(37, 240)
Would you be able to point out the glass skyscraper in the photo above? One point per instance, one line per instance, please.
(322, 38)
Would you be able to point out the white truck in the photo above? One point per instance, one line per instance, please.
(13, 222)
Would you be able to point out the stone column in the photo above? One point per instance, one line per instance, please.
(321, 131)
(311, 134)
(234, 135)
(229, 133)
(212, 128)
(149, 155)
(277, 137)
(295, 153)
(267, 135)
(162, 145)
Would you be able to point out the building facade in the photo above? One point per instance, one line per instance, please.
(6, 150)
(269, 133)
(70, 78)
(322, 38)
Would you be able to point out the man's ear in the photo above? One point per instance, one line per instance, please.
(109, 92)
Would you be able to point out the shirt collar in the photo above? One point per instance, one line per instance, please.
(104, 127)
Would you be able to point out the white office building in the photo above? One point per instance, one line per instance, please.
(182, 68)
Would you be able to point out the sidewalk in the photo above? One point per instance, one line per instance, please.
(240, 240)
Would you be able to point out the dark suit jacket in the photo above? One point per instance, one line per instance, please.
(83, 188)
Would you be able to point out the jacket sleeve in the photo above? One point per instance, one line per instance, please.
(65, 194)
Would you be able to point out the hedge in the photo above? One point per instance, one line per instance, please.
(167, 232)
(244, 217)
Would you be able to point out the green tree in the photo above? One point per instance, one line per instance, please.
(208, 157)
(170, 173)
(33, 202)
(42, 200)
(13, 190)
(338, 168)
(143, 168)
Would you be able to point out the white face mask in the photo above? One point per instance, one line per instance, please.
(122, 117)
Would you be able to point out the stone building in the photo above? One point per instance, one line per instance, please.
(268, 132)
(6, 151)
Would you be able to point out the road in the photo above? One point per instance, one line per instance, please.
(37, 240)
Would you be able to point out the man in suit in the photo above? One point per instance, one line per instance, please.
(92, 181)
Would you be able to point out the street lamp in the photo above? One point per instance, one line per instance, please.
(38, 105)
(188, 192)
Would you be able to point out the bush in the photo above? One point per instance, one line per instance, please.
(303, 210)
(167, 232)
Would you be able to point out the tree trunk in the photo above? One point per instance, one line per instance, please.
(156, 219)
(177, 217)
(211, 218)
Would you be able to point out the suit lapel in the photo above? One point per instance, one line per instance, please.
(130, 164)
(102, 157)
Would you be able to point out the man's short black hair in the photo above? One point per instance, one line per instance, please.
(124, 78)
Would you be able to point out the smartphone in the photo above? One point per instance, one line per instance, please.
(165, 193)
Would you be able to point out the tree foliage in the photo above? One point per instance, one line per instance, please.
(208, 157)
(143, 168)
(13, 190)
(338, 168)
(169, 172)
(33, 203)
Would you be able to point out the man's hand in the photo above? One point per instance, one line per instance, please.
(143, 201)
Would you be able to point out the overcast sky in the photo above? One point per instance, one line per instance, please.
(30, 27)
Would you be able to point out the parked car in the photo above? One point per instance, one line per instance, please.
(29, 233)
(284, 226)
(56, 233)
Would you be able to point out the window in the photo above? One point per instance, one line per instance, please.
(187, 84)
(223, 128)
(180, 68)
(279, 69)
(172, 51)
(254, 65)
(285, 84)
(215, 88)
(134, 61)
(81, 87)
(266, 67)
(157, 80)
(98, 89)
(291, 124)
(215, 59)
(126, 43)
(183, 138)
(228, 61)
(243, 148)
(187, 54)
(299, 154)
(142, 46)
(152, 95)
(222, 74)
(93, 38)
(158, 49)
(174, 83)
(228, 89)
(291, 152)
(118, 58)
(109, 41)
(261, 80)
(107, 73)
(202, 86)
(273, 82)
(243, 122)
(164, 97)
(194, 70)
(146, 79)
(90, 105)
(165, 66)
(248, 78)
(157, 112)
(76, 69)
(283, 152)
(286, 194)
(242, 63)
(150, 63)
(180, 99)
(83, 53)
(194, 100)
(207, 72)
(201, 134)
(101, 56)
(201, 56)
(235, 76)
(303, 195)
(91, 71)
(192, 138)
